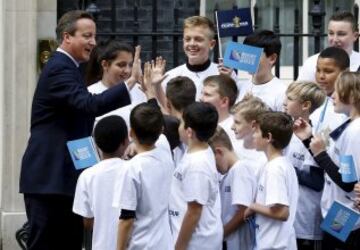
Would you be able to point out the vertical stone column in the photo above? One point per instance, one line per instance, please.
(23, 23)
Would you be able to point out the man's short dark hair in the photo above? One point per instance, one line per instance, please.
(265, 39)
(110, 132)
(279, 124)
(67, 23)
(181, 91)
(147, 122)
(202, 118)
(340, 57)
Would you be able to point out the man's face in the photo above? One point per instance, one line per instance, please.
(210, 94)
(83, 41)
(197, 44)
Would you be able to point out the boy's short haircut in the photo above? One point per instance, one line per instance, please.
(110, 132)
(306, 91)
(279, 124)
(347, 86)
(265, 39)
(226, 87)
(202, 118)
(345, 16)
(180, 92)
(171, 130)
(250, 107)
(196, 21)
(147, 122)
(220, 138)
(340, 57)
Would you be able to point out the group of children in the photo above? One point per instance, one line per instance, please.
(238, 170)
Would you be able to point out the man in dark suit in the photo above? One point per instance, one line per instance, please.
(63, 110)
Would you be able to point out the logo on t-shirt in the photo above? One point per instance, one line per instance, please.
(178, 176)
(227, 189)
(261, 188)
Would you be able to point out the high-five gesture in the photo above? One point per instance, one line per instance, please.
(136, 73)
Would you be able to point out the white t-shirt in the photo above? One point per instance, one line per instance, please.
(196, 179)
(238, 187)
(237, 144)
(136, 95)
(145, 190)
(271, 93)
(308, 70)
(308, 214)
(277, 184)
(346, 145)
(197, 77)
(93, 199)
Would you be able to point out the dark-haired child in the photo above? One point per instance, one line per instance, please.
(277, 192)
(195, 213)
(143, 195)
(111, 138)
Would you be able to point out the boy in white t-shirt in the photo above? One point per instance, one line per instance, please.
(194, 208)
(302, 98)
(221, 91)
(237, 192)
(343, 31)
(277, 193)
(264, 84)
(245, 113)
(198, 42)
(142, 196)
(95, 186)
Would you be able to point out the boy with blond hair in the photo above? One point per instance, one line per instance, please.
(237, 192)
(198, 42)
(245, 113)
(302, 98)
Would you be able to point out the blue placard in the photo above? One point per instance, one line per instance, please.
(340, 221)
(242, 57)
(347, 169)
(83, 152)
(234, 22)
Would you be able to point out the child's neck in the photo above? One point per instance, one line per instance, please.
(196, 145)
(272, 153)
(231, 158)
(259, 79)
(105, 156)
(105, 81)
(354, 114)
(141, 148)
(223, 115)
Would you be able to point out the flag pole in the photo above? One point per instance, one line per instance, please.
(218, 35)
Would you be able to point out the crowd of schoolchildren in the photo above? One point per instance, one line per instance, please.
(215, 163)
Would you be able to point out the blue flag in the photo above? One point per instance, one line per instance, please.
(347, 169)
(83, 152)
(340, 221)
(242, 57)
(234, 22)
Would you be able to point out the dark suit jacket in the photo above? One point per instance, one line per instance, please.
(62, 110)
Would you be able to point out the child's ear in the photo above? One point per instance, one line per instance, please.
(269, 137)
(225, 101)
(132, 134)
(219, 151)
(272, 58)
(104, 65)
(212, 44)
(306, 105)
(189, 133)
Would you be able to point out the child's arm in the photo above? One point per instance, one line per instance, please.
(236, 221)
(191, 219)
(276, 212)
(124, 231)
(88, 223)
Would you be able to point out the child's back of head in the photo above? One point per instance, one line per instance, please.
(303, 91)
(226, 87)
(265, 39)
(279, 125)
(146, 122)
(180, 92)
(110, 133)
(347, 88)
(202, 118)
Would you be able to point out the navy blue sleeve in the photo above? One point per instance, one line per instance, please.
(313, 179)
